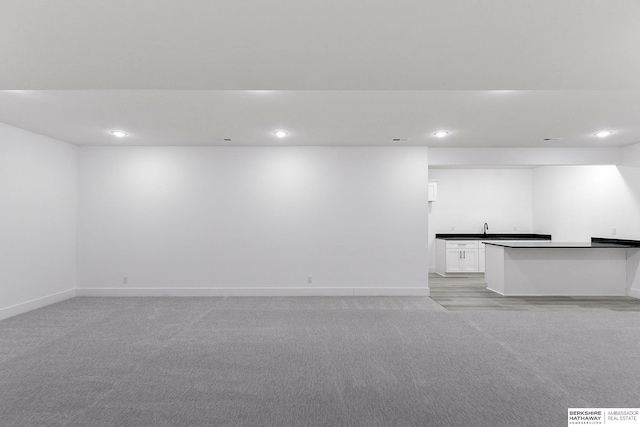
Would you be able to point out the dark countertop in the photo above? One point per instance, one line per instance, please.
(494, 236)
(568, 245)
(623, 242)
(596, 242)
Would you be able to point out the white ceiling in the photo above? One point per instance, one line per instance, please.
(473, 118)
(320, 44)
(495, 73)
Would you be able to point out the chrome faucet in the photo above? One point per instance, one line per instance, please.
(485, 227)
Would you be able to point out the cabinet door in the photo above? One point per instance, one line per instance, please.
(454, 260)
(470, 260)
(481, 258)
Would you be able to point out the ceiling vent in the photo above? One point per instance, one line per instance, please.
(551, 139)
(223, 139)
(400, 139)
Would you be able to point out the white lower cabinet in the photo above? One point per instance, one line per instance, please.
(470, 261)
(481, 260)
(454, 261)
(459, 257)
(462, 260)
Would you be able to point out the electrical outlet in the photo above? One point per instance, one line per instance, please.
(453, 228)
(515, 228)
(125, 280)
(309, 279)
(614, 231)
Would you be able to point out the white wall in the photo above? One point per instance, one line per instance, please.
(38, 189)
(575, 203)
(176, 218)
(529, 157)
(631, 156)
(467, 198)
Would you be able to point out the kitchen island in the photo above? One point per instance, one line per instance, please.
(602, 267)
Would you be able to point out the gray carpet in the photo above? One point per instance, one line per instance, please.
(315, 361)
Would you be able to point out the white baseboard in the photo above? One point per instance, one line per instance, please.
(634, 293)
(254, 292)
(462, 275)
(14, 310)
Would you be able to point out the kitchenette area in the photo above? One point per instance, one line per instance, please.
(551, 231)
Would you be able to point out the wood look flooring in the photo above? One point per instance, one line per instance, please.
(471, 293)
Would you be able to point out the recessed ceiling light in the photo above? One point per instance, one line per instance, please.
(603, 133)
(281, 133)
(118, 133)
(441, 133)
